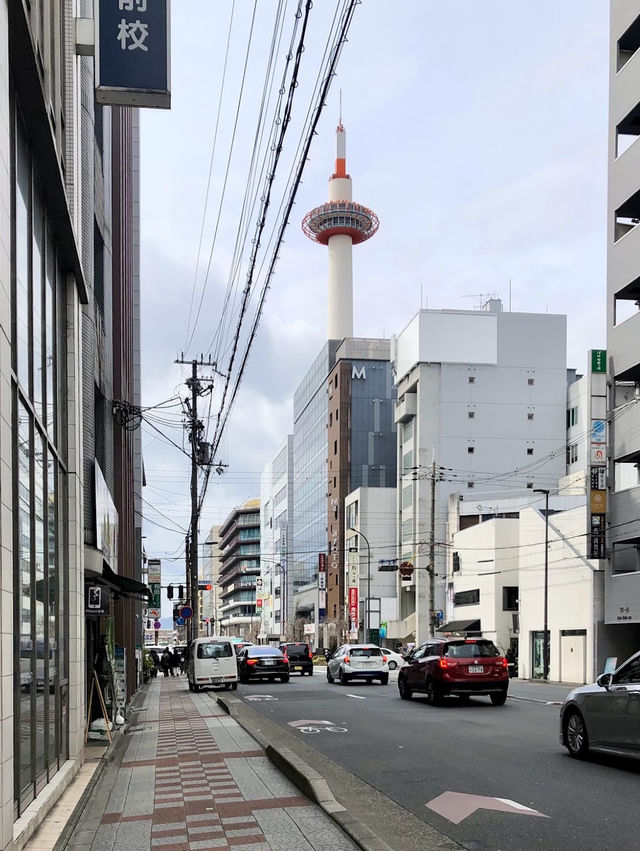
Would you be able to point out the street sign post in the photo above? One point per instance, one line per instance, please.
(186, 612)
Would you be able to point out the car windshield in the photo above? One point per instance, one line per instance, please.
(215, 650)
(365, 651)
(297, 648)
(263, 651)
(468, 649)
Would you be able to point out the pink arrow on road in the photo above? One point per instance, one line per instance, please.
(456, 806)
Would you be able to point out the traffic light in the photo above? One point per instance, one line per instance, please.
(148, 623)
(170, 592)
(180, 592)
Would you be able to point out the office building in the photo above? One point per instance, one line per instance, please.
(622, 587)
(239, 544)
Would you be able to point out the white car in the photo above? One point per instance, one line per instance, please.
(358, 662)
(394, 660)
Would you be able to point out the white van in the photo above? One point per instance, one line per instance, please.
(212, 661)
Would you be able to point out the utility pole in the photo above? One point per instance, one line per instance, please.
(187, 558)
(200, 453)
(432, 553)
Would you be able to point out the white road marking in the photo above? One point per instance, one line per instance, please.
(357, 696)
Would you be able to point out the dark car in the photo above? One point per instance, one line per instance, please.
(266, 663)
(455, 666)
(300, 657)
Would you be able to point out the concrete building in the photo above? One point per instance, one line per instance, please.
(371, 511)
(70, 355)
(209, 575)
(482, 403)
(239, 543)
(276, 542)
(622, 590)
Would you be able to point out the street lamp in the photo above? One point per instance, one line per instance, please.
(367, 612)
(545, 639)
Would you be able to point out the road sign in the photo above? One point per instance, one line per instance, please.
(457, 806)
(157, 625)
(180, 621)
(154, 613)
(186, 612)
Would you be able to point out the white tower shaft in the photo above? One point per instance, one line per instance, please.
(340, 295)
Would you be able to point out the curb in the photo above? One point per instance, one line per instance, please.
(312, 784)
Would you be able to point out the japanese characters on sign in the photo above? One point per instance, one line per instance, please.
(353, 610)
(132, 56)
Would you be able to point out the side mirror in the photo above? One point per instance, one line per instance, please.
(604, 680)
(328, 656)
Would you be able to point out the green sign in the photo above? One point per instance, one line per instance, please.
(156, 601)
(598, 360)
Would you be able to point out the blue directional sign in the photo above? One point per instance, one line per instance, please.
(180, 621)
(132, 53)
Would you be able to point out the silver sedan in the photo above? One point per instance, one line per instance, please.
(604, 716)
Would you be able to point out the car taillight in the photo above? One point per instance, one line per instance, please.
(251, 661)
(286, 658)
(504, 662)
(446, 663)
(310, 655)
(346, 660)
(384, 658)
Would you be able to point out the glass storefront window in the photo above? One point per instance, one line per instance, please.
(26, 655)
(22, 246)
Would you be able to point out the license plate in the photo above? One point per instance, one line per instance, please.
(297, 667)
(216, 679)
(268, 662)
(476, 669)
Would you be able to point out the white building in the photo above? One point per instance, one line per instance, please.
(276, 536)
(622, 593)
(482, 396)
(371, 511)
(210, 606)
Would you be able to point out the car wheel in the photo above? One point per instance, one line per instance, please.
(234, 686)
(575, 734)
(392, 665)
(284, 679)
(405, 691)
(190, 686)
(369, 682)
(384, 680)
(499, 699)
(329, 677)
(464, 698)
(196, 687)
(434, 698)
(343, 679)
(311, 672)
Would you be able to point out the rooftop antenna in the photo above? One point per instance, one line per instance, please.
(481, 298)
(340, 120)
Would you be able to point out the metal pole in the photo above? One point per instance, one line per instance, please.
(432, 552)
(187, 555)
(367, 610)
(545, 626)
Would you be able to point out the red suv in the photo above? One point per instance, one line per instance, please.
(459, 666)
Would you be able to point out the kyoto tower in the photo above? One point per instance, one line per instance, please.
(340, 224)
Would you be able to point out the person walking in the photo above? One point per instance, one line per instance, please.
(165, 661)
(510, 656)
(156, 663)
(175, 663)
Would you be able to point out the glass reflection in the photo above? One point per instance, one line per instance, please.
(26, 643)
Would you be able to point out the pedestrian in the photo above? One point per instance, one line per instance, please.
(165, 661)
(510, 656)
(175, 663)
(184, 661)
(156, 663)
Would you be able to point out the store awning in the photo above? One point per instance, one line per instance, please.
(124, 585)
(460, 626)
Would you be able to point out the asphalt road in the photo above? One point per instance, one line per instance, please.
(414, 754)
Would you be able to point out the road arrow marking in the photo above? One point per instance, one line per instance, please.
(357, 696)
(457, 806)
(306, 723)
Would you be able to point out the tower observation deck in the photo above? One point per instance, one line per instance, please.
(340, 224)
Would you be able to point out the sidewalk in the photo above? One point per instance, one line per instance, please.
(189, 777)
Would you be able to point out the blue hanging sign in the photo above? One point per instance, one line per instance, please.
(132, 53)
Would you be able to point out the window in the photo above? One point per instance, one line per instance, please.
(530, 381)
(336, 380)
(628, 43)
(330, 420)
(572, 417)
(334, 481)
(407, 462)
(510, 598)
(335, 447)
(466, 598)
(336, 415)
(470, 484)
(471, 414)
(467, 649)
(529, 484)
(472, 379)
(529, 450)
(470, 450)
(572, 453)
(407, 496)
(530, 415)
(335, 611)
(456, 562)
(630, 674)
(215, 650)
(407, 431)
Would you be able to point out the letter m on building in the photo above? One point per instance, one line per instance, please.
(358, 372)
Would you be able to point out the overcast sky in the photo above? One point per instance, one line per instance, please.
(476, 131)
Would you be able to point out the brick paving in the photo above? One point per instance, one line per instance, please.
(192, 778)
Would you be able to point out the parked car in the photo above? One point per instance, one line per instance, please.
(299, 655)
(605, 715)
(264, 662)
(239, 645)
(358, 662)
(211, 661)
(455, 666)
